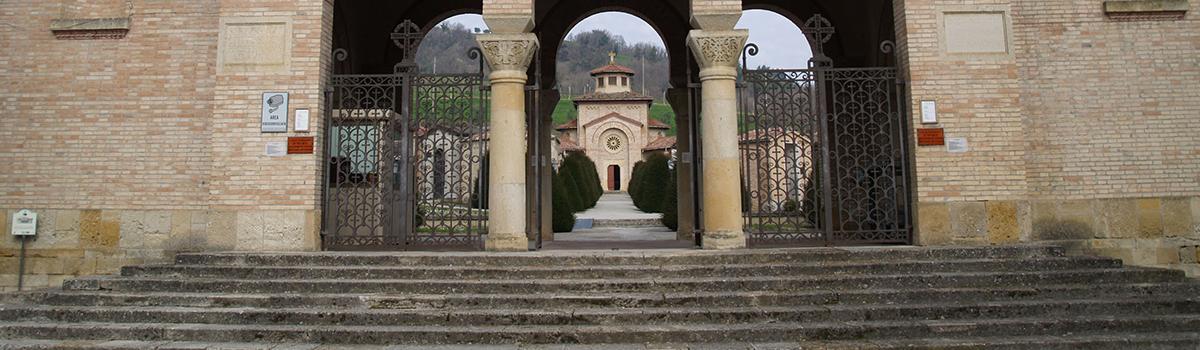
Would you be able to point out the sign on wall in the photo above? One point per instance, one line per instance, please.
(275, 112)
(24, 223)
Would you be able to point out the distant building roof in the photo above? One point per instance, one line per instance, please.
(615, 96)
(573, 124)
(655, 124)
(566, 144)
(661, 143)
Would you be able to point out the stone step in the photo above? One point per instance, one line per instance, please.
(596, 258)
(1122, 341)
(604, 334)
(603, 300)
(603, 316)
(442, 286)
(613, 271)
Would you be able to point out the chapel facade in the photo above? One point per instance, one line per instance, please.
(614, 125)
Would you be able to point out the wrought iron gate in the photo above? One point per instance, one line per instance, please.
(405, 156)
(823, 151)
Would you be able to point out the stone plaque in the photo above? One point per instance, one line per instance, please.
(254, 45)
(976, 32)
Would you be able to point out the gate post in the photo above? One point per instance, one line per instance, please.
(717, 53)
(508, 55)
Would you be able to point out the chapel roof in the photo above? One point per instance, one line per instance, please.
(612, 67)
(614, 96)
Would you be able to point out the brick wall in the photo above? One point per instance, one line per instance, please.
(107, 123)
(1112, 107)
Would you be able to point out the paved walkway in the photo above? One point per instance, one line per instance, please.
(617, 224)
(616, 206)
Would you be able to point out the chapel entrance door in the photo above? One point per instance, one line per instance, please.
(614, 177)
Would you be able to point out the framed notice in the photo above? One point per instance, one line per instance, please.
(275, 112)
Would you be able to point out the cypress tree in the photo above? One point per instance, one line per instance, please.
(635, 182)
(567, 172)
(562, 211)
(654, 184)
(670, 206)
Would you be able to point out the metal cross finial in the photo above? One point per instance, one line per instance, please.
(612, 57)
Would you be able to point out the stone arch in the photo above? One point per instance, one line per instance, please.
(671, 22)
(861, 26)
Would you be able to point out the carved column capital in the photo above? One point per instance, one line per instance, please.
(508, 54)
(717, 51)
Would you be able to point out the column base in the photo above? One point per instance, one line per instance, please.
(506, 242)
(724, 240)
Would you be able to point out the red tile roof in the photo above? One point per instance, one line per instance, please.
(573, 124)
(613, 68)
(655, 124)
(616, 96)
(566, 144)
(661, 143)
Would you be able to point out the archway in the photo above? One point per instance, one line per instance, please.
(613, 70)
(414, 136)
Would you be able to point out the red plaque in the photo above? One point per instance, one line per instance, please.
(300, 145)
(931, 137)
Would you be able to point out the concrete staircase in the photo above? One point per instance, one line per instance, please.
(1026, 297)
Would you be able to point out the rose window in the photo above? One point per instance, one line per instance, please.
(613, 144)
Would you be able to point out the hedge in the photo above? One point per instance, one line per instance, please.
(670, 205)
(563, 211)
(653, 184)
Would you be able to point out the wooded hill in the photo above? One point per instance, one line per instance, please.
(444, 50)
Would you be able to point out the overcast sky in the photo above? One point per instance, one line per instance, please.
(780, 42)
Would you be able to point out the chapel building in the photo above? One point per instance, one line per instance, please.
(614, 126)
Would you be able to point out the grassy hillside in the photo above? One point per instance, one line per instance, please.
(565, 112)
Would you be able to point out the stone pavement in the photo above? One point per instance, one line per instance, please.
(617, 224)
(616, 206)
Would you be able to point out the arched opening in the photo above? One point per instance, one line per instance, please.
(781, 43)
(822, 133)
(408, 104)
(613, 70)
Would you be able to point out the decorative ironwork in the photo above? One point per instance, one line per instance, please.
(823, 151)
(405, 157)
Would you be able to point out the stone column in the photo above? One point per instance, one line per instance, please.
(717, 53)
(508, 56)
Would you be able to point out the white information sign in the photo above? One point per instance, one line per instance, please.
(276, 149)
(956, 145)
(24, 223)
(275, 112)
(301, 120)
(928, 112)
